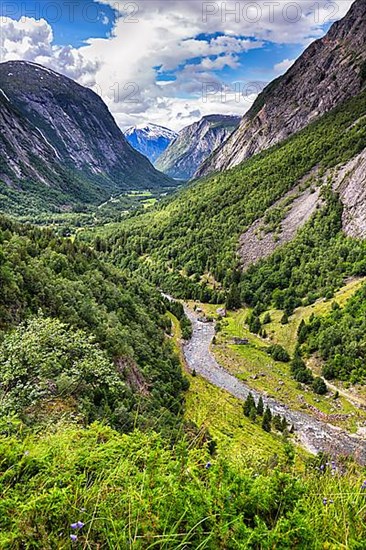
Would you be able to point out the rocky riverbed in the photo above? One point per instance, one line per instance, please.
(313, 434)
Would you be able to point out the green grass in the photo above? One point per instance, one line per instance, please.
(286, 335)
(238, 439)
(135, 492)
(213, 409)
(253, 365)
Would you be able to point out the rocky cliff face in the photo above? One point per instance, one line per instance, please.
(194, 144)
(150, 140)
(51, 127)
(331, 70)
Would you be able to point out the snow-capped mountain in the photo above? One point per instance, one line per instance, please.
(150, 139)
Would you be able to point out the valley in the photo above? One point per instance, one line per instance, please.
(183, 280)
(317, 436)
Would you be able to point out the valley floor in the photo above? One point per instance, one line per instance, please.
(321, 423)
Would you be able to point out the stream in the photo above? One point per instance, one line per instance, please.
(313, 434)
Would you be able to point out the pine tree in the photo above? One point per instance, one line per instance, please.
(253, 414)
(266, 423)
(267, 319)
(249, 404)
(302, 332)
(233, 298)
(277, 422)
(284, 425)
(284, 320)
(260, 406)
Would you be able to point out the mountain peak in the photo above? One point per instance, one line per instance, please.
(56, 134)
(194, 144)
(330, 71)
(150, 139)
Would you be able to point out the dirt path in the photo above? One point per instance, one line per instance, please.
(313, 434)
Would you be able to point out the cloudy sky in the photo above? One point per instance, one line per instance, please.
(166, 61)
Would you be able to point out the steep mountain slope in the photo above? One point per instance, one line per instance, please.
(190, 245)
(194, 144)
(150, 140)
(58, 138)
(45, 281)
(331, 70)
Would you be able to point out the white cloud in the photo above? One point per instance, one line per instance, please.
(32, 40)
(164, 34)
(283, 66)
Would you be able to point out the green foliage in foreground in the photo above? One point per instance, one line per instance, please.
(132, 491)
(45, 365)
(197, 232)
(340, 339)
(122, 313)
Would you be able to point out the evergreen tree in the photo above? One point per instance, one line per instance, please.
(267, 319)
(260, 407)
(249, 404)
(233, 298)
(284, 425)
(302, 332)
(267, 418)
(284, 320)
(253, 414)
(277, 422)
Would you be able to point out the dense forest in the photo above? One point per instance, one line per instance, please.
(313, 265)
(79, 321)
(340, 340)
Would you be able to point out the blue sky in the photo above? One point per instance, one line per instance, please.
(154, 60)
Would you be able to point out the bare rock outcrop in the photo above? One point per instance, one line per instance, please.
(330, 71)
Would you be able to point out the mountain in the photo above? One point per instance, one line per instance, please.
(150, 140)
(59, 144)
(204, 238)
(194, 144)
(331, 70)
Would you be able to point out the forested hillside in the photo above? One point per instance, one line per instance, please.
(88, 338)
(339, 339)
(60, 147)
(189, 244)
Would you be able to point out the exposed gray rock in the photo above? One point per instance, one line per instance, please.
(330, 71)
(194, 144)
(55, 132)
(350, 182)
(258, 243)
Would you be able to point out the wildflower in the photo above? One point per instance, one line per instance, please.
(331, 501)
(77, 525)
(208, 465)
(322, 467)
(26, 453)
(363, 486)
(325, 501)
(73, 538)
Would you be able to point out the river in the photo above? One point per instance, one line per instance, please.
(313, 434)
